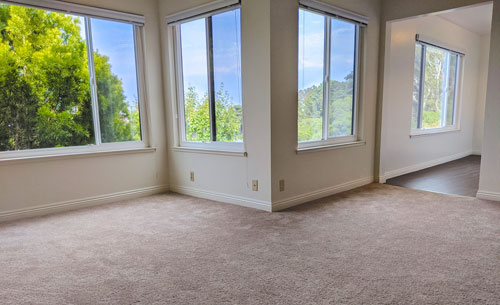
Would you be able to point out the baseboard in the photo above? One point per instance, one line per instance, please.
(80, 203)
(421, 166)
(299, 199)
(488, 195)
(216, 196)
(476, 152)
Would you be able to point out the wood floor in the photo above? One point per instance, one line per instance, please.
(459, 177)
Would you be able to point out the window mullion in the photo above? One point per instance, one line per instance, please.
(444, 88)
(211, 87)
(93, 83)
(355, 75)
(326, 73)
(455, 93)
(141, 85)
(421, 88)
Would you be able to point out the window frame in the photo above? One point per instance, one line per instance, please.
(356, 136)
(179, 82)
(459, 70)
(88, 13)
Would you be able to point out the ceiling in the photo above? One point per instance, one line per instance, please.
(475, 19)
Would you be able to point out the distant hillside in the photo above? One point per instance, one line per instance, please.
(340, 110)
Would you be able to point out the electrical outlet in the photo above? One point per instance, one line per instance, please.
(282, 185)
(255, 185)
(191, 176)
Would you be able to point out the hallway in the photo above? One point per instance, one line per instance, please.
(459, 177)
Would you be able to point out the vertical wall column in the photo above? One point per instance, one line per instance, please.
(489, 183)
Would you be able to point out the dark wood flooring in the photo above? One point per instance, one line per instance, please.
(459, 177)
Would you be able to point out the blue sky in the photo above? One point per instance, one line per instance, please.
(227, 43)
(226, 46)
(311, 49)
(116, 41)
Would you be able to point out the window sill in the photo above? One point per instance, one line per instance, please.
(433, 132)
(74, 155)
(301, 150)
(211, 151)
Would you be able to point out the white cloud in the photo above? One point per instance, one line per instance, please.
(341, 31)
(312, 64)
(313, 40)
(349, 60)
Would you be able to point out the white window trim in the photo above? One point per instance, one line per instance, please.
(336, 12)
(433, 131)
(209, 146)
(202, 11)
(417, 132)
(329, 141)
(204, 150)
(357, 130)
(81, 10)
(72, 153)
(93, 12)
(63, 151)
(329, 146)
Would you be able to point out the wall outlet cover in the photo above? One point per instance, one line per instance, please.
(255, 185)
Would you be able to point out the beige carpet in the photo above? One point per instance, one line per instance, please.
(375, 245)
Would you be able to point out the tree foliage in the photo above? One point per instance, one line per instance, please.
(197, 117)
(310, 112)
(434, 76)
(44, 84)
(439, 84)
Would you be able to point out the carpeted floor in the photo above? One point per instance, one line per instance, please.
(378, 244)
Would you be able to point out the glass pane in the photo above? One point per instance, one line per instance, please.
(311, 54)
(416, 86)
(44, 80)
(227, 76)
(195, 80)
(450, 102)
(116, 78)
(435, 63)
(342, 61)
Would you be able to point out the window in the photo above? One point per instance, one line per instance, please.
(435, 84)
(66, 79)
(328, 78)
(209, 80)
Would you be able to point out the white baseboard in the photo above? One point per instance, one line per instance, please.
(488, 195)
(80, 203)
(421, 166)
(216, 196)
(476, 152)
(299, 199)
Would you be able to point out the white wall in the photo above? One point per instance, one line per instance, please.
(489, 182)
(318, 173)
(223, 177)
(393, 10)
(402, 153)
(39, 186)
(269, 67)
(477, 139)
(269, 76)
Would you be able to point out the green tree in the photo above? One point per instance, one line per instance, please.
(310, 110)
(197, 117)
(44, 83)
(228, 117)
(114, 115)
(136, 123)
(434, 78)
(341, 107)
